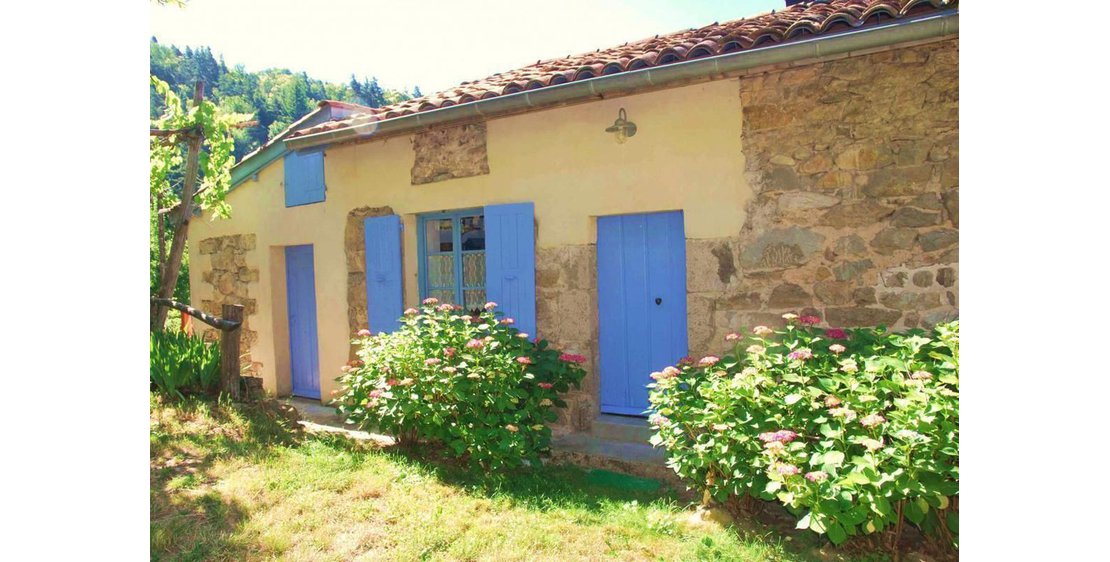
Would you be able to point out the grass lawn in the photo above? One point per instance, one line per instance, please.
(245, 483)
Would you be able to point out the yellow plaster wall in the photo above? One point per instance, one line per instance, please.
(686, 155)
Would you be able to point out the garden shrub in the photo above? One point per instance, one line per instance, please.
(181, 363)
(473, 383)
(853, 430)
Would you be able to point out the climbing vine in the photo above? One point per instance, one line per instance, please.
(167, 153)
(171, 175)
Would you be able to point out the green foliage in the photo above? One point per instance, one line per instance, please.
(167, 161)
(852, 430)
(474, 384)
(181, 363)
(276, 96)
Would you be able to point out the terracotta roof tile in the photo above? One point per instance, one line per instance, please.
(799, 21)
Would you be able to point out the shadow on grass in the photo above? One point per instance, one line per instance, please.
(551, 486)
(189, 520)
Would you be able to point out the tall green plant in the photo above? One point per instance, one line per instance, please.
(855, 431)
(182, 363)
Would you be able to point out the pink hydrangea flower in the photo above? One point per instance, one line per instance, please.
(801, 354)
(572, 358)
(787, 469)
(490, 305)
(871, 420)
(756, 349)
(843, 412)
(809, 320)
(411, 311)
(431, 361)
(831, 401)
(817, 476)
(782, 436)
(450, 369)
(762, 331)
(657, 420)
(445, 307)
(449, 351)
(671, 371)
(522, 335)
(475, 344)
(524, 360)
(668, 373)
(456, 307)
(686, 360)
(837, 348)
(733, 337)
(789, 316)
(708, 361)
(363, 333)
(545, 385)
(392, 382)
(430, 300)
(507, 321)
(836, 334)
(377, 392)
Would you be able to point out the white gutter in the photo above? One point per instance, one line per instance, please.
(932, 26)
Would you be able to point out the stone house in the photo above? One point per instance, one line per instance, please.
(632, 205)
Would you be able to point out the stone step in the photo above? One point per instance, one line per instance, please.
(625, 429)
(637, 459)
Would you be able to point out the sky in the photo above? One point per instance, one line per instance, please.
(433, 44)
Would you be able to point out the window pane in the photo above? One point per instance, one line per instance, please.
(473, 233)
(444, 295)
(441, 270)
(475, 298)
(474, 269)
(439, 236)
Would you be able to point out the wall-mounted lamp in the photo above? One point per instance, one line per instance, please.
(622, 127)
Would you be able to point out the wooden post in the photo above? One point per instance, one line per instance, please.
(229, 351)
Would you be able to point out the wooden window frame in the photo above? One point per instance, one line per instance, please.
(457, 252)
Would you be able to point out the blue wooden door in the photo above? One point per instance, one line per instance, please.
(300, 285)
(641, 285)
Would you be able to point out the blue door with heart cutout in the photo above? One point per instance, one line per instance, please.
(641, 286)
(300, 287)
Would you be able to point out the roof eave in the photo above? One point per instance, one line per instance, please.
(932, 26)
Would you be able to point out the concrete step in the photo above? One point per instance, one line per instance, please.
(624, 429)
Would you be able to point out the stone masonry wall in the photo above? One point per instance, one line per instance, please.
(354, 247)
(231, 277)
(449, 152)
(566, 314)
(855, 220)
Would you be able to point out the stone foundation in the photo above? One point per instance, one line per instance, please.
(354, 247)
(231, 277)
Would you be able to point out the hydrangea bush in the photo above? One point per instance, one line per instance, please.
(854, 431)
(471, 382)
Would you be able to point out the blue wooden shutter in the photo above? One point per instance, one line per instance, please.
(383, 272)
(511, 262)
(304, 177)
